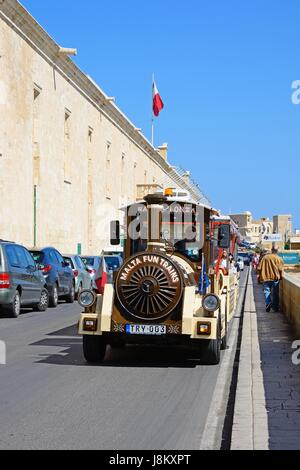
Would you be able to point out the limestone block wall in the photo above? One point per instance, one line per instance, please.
(290, 297)
(60, 139)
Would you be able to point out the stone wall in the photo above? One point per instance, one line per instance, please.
(60, 135)
(290, 296)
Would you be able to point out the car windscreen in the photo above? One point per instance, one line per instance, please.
(70, 261)
(89, 261)
(38, 256)
(112, 262)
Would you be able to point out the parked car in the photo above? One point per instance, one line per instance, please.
(93, 264)
(99, 271)
(113, 262)
(81, 275)
(21, 282)
(241, 264)
(118, 253)
(245, 257)
(58, 275)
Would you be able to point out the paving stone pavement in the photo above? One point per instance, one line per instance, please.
(267, 408)
(281, 378)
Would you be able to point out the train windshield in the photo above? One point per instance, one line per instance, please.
(182, 230)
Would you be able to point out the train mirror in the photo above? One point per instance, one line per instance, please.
(115, 238)
(224, 236)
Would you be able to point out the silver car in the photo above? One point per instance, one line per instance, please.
(93, 265)
(96, 266)
(82, 276)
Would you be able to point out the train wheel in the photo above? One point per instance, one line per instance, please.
(224, 339)
(94, 348)
(117, 344)
(224, 343)
(212, 350)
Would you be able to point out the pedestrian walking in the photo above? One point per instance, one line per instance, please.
(255, 261)
(270, 272)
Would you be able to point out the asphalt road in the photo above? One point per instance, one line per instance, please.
(140, 398)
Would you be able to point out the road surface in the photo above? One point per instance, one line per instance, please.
(140, 398)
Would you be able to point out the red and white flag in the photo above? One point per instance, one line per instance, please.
(158, 104)
(101, 277)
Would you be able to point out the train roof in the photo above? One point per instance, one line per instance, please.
(186, 199)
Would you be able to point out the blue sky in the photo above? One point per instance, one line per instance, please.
(224, 70)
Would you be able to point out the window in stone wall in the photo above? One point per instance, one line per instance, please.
(123, 179)
(37, 90)
(90, 187)
(108, 151)
(67, 149)
(108, 190)
(90, 134)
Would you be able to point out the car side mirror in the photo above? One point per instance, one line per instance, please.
(115, 238)
(224, 236)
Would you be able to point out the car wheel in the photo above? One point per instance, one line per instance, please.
(43, 303)
(53, 299)
(14, 309)
(70, 299)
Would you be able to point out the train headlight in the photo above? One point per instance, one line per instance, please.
(211, 303)
(86, 298)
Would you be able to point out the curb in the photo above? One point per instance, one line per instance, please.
(250, 423)
(212, 438)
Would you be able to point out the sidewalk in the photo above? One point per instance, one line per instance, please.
(267, 409)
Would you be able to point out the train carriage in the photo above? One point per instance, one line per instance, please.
(177, 284)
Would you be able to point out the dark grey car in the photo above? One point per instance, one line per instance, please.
(21, 282)
(58, 275)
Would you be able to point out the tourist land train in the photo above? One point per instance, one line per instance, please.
(173, 287)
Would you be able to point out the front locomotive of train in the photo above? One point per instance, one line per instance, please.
(159, 295)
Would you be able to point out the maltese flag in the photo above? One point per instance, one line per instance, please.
(158, 104)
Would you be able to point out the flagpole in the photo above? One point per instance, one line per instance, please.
(152, 141)
(152, 121)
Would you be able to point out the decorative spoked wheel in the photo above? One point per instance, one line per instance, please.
(149, 286)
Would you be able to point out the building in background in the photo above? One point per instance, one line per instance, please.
(244, 221)
(253, 231)
(283, 224)
(294, 241)
(69, 157)
(259, 228)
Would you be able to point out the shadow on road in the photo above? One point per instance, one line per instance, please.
(71, 353)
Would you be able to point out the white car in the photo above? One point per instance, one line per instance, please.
(241, 264)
